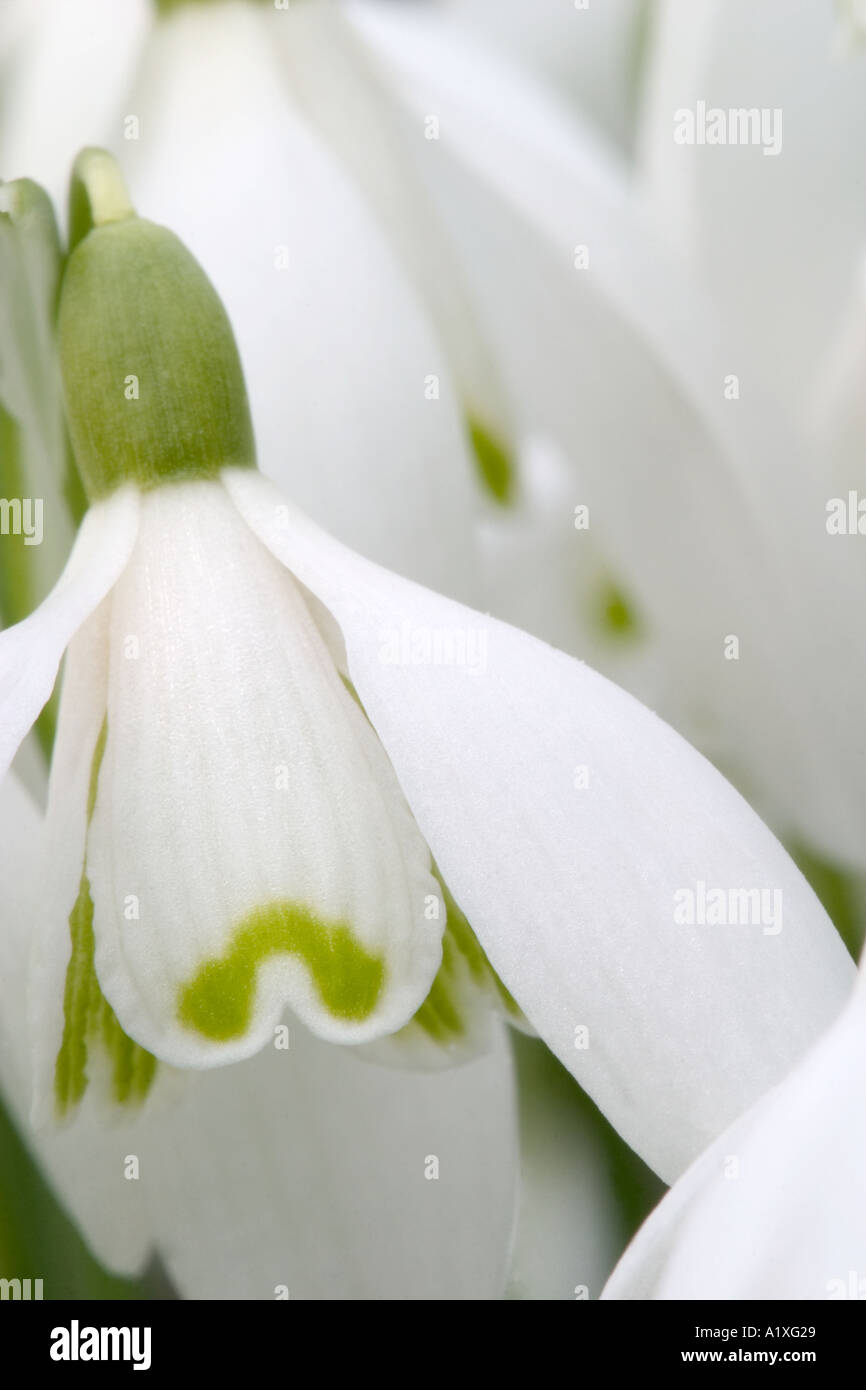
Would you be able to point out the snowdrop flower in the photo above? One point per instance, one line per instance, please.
(230, 833)
(775, 1207)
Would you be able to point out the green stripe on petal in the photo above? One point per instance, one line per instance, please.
(493, 461)
(88, 1018)
(90, 1021)
(218, 1001)
(440, 1015)
(616, 614)
(466, 981)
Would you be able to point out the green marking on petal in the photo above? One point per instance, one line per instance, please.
(98, 753)
(493, 460)
(616, 614)
(506, 998)
(88, 1018)
(218, 1001)
(442, 1015)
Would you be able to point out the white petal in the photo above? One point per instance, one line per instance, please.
(306, 1168)
(65, 74)
(30, 652)
(249, 846)
(570, 889)
(777, 236)
(337, 350)
(776, 1207)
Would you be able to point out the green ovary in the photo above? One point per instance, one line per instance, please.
(218, 1001)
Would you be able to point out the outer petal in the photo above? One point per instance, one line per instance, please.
(250, 846)
(776, 1207)
(337, 349)
(565, 817)
(30, 652)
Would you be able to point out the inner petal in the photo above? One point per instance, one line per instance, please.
(250, 846)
